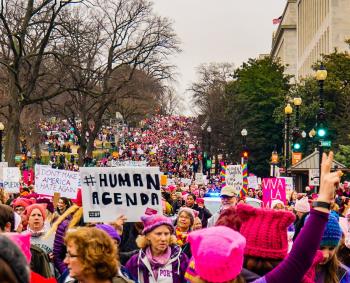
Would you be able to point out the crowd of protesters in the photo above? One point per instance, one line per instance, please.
(305, 239)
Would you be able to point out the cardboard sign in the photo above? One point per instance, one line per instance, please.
(234, 176)
(163, 180)
(49, 181)
(128, 163)
(11, 176)
(273, 188)
(109, 192)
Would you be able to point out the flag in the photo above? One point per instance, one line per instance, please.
(277, 21)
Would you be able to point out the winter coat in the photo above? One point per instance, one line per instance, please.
(59, 248)
(172, 272)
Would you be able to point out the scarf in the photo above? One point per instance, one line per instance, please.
(181, 237)
(157, 261)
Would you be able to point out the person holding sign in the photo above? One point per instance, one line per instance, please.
(159, 258)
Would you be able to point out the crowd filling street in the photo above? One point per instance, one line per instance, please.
(207, 230)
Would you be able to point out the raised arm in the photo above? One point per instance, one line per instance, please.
(294, 267)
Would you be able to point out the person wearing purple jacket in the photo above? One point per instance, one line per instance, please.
(218, 252)
(159, 259)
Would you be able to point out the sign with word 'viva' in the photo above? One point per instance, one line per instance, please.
(273, 189)
(49, 181)
(109, 192)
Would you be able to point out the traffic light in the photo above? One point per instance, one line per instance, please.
(208, 164)
(321, 131)
(296, 147)
(245, 153)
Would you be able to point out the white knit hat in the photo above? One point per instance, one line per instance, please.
(302, 205)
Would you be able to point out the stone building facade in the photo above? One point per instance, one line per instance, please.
(308, 29)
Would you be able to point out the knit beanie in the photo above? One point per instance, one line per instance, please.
(15, 259)
(109, 229)
(41, 207)
(22, 202)
(225, 249)
(151, 222)
(302, 205)
(265, 231)
(332, 233)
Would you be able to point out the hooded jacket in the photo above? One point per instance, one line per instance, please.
(172, 272)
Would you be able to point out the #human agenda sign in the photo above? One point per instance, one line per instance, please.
(109, 192)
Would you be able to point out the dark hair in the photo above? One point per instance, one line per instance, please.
(6, 273)
(6, 216)
(192, 195)
(259, 265)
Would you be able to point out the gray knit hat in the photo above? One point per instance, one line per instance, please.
(16, 260)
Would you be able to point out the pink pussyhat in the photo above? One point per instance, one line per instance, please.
(217, 253)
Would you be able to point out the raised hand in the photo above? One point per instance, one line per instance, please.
(329, 180)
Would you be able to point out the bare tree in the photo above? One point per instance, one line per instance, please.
(106, 47)
(29, 51)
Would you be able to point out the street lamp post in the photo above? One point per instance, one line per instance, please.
(288, 110)
(2, 127)
(321, 76)
(296, 132)
(274, 161)
(244, 157)
(209, 148)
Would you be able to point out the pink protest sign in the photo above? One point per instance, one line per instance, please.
(273, 188)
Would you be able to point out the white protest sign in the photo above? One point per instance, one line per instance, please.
(199, 179)
(234, 176)
(2, 165)
(128, 163)
(314, 179)
(253, 182)
(12, 176)
(289, 183)
(186, 181)
(49, 181)
(109, 192)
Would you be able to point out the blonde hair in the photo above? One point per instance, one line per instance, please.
(142, 242)
(96, 250)
(74, 210)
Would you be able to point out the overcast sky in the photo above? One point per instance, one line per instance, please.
(218, 31)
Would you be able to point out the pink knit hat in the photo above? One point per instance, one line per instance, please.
(265, 231)
(302, 205)
(151, 222)
(223, 246)
(41, 207)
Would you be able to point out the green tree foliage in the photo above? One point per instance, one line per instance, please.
(258, 88)
(336, 97)
(343, 154)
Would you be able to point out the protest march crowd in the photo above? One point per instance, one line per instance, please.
(164, 231)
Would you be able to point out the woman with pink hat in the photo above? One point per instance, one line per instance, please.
(218, 252)
(159, 258)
